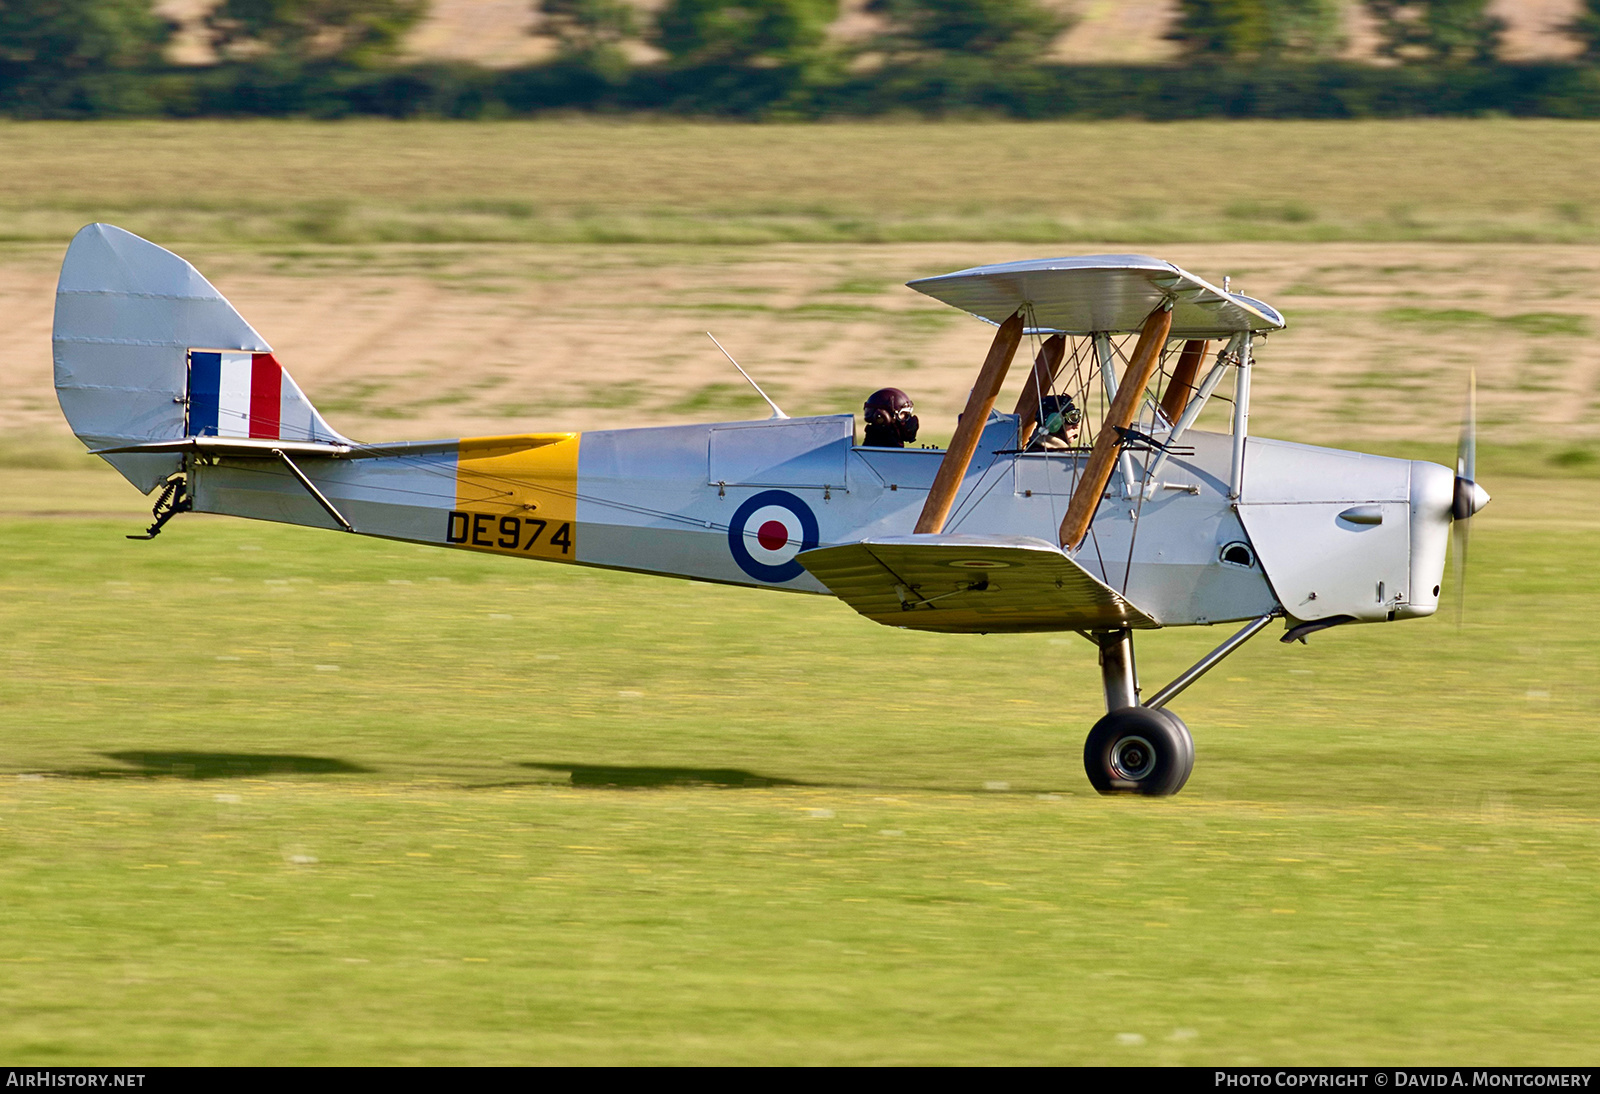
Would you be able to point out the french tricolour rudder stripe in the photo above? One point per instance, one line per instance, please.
(266, 395)
(235, 395)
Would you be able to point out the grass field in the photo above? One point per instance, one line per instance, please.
(597, 181)
(277, 796)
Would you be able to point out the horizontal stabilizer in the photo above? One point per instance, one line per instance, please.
(264, 447)
(231, 446)
(967, 584)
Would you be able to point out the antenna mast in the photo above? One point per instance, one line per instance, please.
(776, 413)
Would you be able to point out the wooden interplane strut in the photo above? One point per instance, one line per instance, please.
(1182, 387)
(953, 468)
(1045, 367)
(1130, 391)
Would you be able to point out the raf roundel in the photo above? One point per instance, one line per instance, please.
(768, 531)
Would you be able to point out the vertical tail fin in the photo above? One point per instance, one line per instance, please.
(146, 349)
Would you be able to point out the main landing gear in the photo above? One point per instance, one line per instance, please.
(1138, 750)
(1143, 748)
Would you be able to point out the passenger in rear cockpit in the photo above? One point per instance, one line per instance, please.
(891, 419)
(1059, 419)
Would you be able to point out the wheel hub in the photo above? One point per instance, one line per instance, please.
(1132, 758)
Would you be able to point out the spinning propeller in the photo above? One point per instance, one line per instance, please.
(1469, 496)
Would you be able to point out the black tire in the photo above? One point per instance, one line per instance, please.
(1139, 750)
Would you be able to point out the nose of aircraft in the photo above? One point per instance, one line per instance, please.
(1469, 498)
(1432, 516)
(1442, 507)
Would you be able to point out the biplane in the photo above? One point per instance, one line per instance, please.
(1147, 521)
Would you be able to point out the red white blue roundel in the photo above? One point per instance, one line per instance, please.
(767, 531)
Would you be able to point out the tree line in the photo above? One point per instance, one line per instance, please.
(777, 59)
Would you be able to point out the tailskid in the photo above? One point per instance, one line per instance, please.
(174, 499)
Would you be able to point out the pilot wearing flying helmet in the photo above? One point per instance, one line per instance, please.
(1059, 419)
(891, 419)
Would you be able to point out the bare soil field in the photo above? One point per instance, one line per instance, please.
(410, 342)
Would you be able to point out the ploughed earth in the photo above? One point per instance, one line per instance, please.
(420, 341)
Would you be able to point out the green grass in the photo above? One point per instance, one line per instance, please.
(1550, 460)
(1536, 324)
(724, 399)
(270, 182)
(280, 796)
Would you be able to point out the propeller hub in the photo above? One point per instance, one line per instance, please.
(1469, 498)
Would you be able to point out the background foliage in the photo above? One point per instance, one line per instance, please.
(779, 59)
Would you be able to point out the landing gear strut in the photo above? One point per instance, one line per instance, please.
(1145, 748)
(1134, 749)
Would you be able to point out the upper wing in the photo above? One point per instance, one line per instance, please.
(1090, 294)
(969, 584)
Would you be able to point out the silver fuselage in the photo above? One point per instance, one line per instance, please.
(1317, 532)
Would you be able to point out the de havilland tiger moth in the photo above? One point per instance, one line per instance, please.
(1096, 505)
